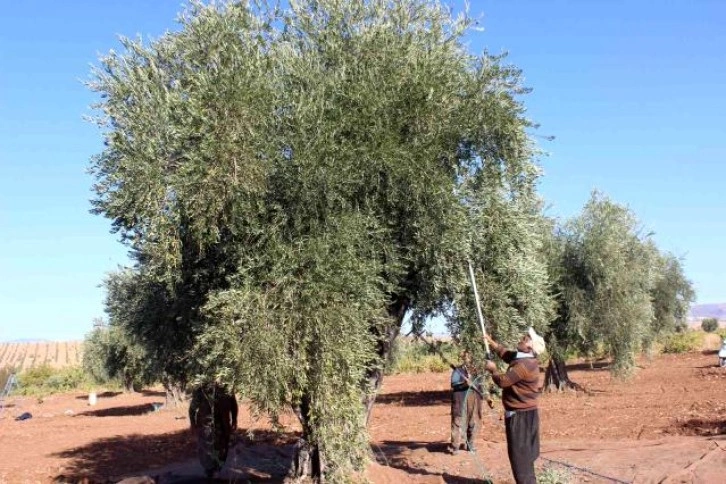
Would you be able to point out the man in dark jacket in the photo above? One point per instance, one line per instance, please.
(466, 407)
(213, 417)
(520, 392)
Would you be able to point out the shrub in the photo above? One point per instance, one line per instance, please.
(45, 380)
(553, 475)
(683, 342)
(418, 357)
(709, 325)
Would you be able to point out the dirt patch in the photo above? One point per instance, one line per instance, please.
(666, 424)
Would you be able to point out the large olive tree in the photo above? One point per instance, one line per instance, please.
(298, 180)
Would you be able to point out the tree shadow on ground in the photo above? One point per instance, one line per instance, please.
(700, 427)
(153, 393)
(265, 457)
(396, 447)
(599, 365)
(394, 454)
(450, 479)
(415, 399)
(128, 411)
(100, 395)
(108, 459)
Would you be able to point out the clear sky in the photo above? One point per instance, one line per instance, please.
(632, 91)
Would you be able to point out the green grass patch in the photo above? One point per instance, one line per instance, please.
(411, 356)
(46, 380)
(550, 474)
(687, 342)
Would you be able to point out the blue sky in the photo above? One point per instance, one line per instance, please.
(632, 91)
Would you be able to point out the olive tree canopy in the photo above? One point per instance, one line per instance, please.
(298, 180)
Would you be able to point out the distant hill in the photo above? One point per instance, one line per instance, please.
(700, 311)
(27, 340)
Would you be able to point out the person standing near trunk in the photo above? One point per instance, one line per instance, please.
(466, 406)
(520, 393)
(213, 418)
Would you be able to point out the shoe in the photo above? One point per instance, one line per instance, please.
(471, 448)
(453, 450)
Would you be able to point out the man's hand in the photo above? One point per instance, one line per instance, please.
(493, 344)
(490, 366)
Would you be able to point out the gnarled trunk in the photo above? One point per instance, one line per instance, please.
(308, 457)
(556, 377)
(128, 380)
(174, 393)
(308, 461)
(374, 377)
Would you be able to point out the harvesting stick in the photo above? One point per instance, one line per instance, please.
(478, 308)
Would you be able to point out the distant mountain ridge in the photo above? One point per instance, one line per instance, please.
(700, 311)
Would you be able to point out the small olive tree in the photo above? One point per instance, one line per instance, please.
(111, 353)
(709, 325)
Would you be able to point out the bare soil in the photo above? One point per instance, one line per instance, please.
(666, 424)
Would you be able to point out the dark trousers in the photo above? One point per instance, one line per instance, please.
(466, 415)
(522, 430)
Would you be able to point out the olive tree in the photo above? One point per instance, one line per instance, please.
(709, 325)
(672, 296)
(293, 182)
(604, 270)
(110, 353)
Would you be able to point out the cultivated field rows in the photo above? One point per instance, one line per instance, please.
(23, 356)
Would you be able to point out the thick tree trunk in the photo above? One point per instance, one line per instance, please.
(556, 377)
(308, 457)
(308, 461)
(128, 383)
(174, 394)
(374, 378)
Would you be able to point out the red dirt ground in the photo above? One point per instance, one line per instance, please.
(666, 424)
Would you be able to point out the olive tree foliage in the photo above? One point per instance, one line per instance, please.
(161, 320)
(672, 296)
(293, 182)
(709, 325)
(604, 270)
(94, 355)
(112, 354)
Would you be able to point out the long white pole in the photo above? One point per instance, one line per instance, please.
(478, 306)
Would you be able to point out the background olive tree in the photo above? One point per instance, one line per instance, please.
(615, 291)
(709, 325)
(111, 354)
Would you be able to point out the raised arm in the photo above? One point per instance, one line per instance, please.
(493, 345)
